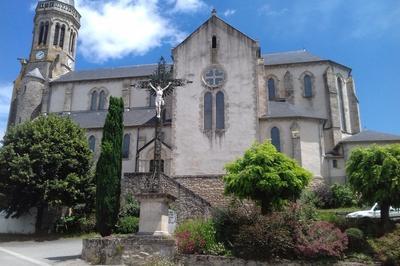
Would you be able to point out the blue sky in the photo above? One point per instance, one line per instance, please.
(362, 34)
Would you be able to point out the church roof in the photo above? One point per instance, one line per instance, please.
(286, 110)
(108, 73)
(35, 74)
(289, 57)
(371, 136)
(134, 117)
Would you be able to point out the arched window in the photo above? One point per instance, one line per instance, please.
(214, 41)
(102, 100)
(275, 138)
(46, 32)
(93, 101)
(62, 35)
(125, 146)
(56, 34)
(41, 32)
(72, 42)
(307, 86)
(341, 103)
(92, 143)
(208, 111)
(220, 110)
(271, 89)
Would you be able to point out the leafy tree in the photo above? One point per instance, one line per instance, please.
(45, 162)
(108, 169)
(375, 173)
(266, 176)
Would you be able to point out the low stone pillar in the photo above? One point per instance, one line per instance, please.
(153, 218)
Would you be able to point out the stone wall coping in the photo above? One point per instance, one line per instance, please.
(156, 196)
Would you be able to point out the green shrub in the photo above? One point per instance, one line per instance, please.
(130, 207)
(323, 195)
(342, 196)
(127, 225)
(387, 247)
(198, 237)
(356, 239)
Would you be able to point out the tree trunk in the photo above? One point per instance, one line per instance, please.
(385, 219)
(265, 207)
(39, 218)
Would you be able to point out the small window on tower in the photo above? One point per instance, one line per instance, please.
(214, 41)
(334, 164)
(56, 34)
(62, 35)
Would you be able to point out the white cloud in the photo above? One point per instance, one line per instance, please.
(188, 5)
(114, 29)
(5, 98)
(229, 12)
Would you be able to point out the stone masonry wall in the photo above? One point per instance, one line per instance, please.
(187, 205)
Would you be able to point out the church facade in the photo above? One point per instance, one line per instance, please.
(305, 105)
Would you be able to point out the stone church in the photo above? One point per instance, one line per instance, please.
(305, 105)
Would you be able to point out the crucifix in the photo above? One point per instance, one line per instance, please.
(160, 85)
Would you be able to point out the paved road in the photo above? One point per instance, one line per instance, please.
(33, 253)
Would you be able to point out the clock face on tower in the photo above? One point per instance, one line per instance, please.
(39, 55)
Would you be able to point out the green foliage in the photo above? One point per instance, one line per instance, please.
(127, 225)
(75, 224)
(387, 247)
(266, 176)
(108, 169)
(130, 207)
(342, 196)
(198, 237)
(375, 173)
(45, 162)
(356, 239)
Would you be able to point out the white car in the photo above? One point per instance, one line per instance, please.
(375, 212)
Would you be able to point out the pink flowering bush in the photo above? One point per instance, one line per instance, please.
(198, 237)
(320, 239)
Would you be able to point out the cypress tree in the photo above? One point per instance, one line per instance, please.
(108, 169)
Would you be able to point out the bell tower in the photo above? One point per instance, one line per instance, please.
(53, 50)
(55, 35)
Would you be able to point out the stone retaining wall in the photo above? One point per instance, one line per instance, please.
(127, 250)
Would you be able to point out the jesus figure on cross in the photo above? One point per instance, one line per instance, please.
(159, 102)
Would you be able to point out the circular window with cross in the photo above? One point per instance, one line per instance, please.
(214, 76)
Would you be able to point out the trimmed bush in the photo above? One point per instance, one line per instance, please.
(127, 225)
(342, 196)
(356, 239)
(320, 240)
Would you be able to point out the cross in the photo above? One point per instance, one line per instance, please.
(160, 81)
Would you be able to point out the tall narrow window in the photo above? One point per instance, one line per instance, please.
(56, 34)
(102, 100)
(271, 89)
(41, 32)
(62, 36)
(152, 99)
(341, 104)
(275, 138)
(208, 111)
(125, 146)
(92, 143)
(220, 110)
(46, 32)
(72, 44)
(214, 41)
(93, 101)
(307, 86)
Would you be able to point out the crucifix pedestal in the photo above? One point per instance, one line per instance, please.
(154, 213)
